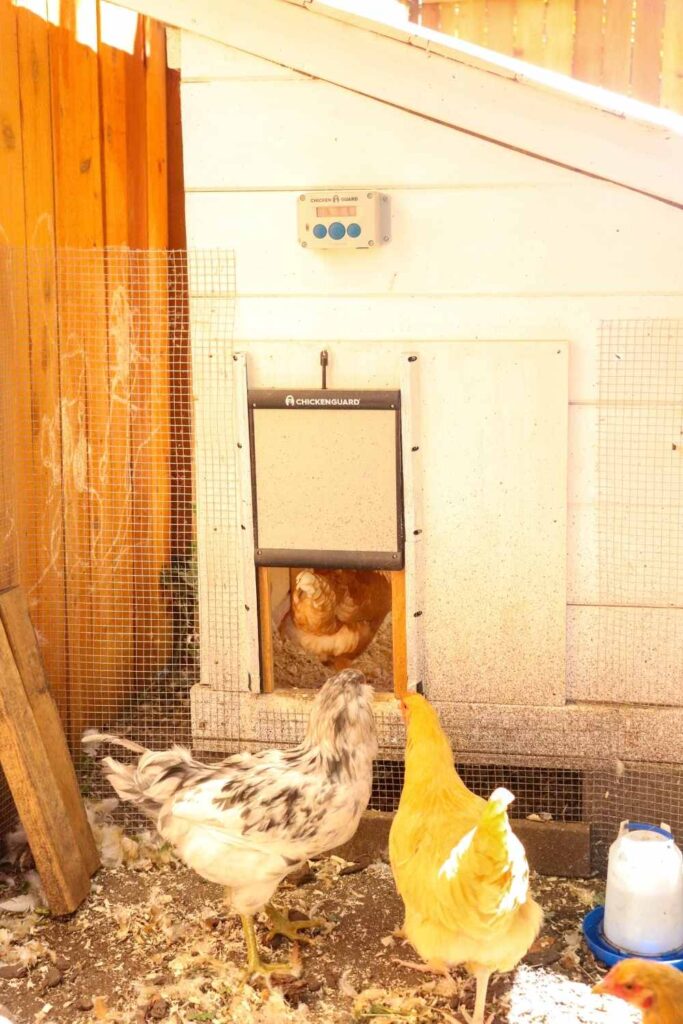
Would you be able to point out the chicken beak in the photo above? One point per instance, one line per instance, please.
(602, 988)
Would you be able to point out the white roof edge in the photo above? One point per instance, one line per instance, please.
(499, 63)
(456, 84)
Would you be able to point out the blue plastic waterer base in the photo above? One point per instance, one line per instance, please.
(609, 954)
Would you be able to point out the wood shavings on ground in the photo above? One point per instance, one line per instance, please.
(155, 943)
(417, 1006)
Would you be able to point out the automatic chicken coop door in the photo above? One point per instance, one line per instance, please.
(328, 525)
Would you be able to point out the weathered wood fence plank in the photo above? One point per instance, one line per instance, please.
(633, 48)
(85, 442)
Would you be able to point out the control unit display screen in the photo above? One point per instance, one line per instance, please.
(335, 211)
(343, 219)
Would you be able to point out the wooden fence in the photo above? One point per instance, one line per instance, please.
(89, 144)
(630, 46)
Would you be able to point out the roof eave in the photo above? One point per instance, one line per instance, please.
(418, 73)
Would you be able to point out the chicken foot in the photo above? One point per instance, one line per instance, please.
(482, 978)
(281, 925)
(433, 967)
(256, 967)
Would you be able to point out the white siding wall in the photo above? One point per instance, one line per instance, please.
(487, 245)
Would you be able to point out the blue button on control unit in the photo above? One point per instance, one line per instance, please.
(353, 230)
(337, 230)
(319, 230)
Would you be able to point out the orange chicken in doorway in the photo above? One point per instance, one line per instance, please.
(334, 614)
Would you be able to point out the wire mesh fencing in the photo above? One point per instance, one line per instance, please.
(631, 791)
(598, 793)
(551, 793)
(640, 489)
(119, 515)
(101, 450)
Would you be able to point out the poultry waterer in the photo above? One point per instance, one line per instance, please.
(643, 912)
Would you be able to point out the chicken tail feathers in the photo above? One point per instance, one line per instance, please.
(154, 779)
(122, 778)
(501, 798)
(488, 867)
(493, 839)
(92, 736)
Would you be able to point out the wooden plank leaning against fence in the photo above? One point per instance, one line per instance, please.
(37, 764)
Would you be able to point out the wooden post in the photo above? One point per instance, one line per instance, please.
(501, 26)
(529, 42)
(74, 91)
(46, 595)
(37, 765)
(559, 36)
(118, 76)
(180, 376)
(588, 42)
(647, 46)
(266, 630)
(672, 57)
(157, 451)
(398, 632)
(14, 347)
(616, 58)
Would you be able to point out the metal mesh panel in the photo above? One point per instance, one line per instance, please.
(557, 792)
(118, 453)
(597, 793)
(640, 534)
(640, 487)
(633, 791)
(101, 400)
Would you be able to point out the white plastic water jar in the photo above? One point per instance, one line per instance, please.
(644, 898)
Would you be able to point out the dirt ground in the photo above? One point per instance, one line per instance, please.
(153, 943)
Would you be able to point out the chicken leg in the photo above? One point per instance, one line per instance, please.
(482, 978)
(255, 965)
(433, 967)
(281, 925)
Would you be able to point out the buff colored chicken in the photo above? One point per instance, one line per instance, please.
(334, 614)
(656, 989)
(462, 874)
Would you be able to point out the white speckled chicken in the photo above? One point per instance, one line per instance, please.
(250, 820)
(334, 614)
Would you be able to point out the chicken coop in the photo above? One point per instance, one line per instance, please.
(465, 426)
(520, 320)
(523, 310)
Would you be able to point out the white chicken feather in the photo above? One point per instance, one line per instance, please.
(248, 821)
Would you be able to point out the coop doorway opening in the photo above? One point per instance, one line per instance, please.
(328, 545)
(314, 622)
